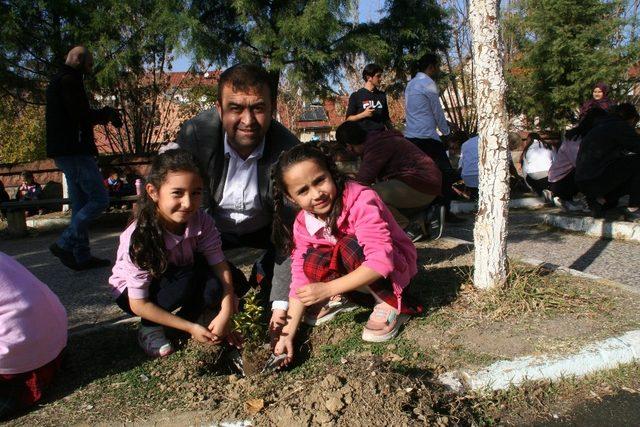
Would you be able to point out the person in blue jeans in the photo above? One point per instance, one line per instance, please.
(70, 142)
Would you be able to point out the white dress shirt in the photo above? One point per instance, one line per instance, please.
(469, 162)
(423, 110)
(240, 210)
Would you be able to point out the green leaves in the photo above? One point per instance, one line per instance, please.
(566, 47)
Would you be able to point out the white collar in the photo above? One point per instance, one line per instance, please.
(255, 154)
(313, 224)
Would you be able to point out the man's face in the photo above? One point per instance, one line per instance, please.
(246, 116)
(376, 80)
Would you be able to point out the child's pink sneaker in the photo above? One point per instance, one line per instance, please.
(324, 312)
(154, 342)
(383, 324)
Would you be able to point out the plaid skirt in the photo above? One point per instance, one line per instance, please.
(326, 263)
(25, 389)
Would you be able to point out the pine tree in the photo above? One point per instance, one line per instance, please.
(566, 46)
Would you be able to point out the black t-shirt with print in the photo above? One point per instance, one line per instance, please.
(361, 99)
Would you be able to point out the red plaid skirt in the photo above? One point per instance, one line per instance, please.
(325, 263)
(28, 387)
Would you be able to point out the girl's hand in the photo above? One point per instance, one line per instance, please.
(203, 335)
(284, 346)
(313, 293)
(220, 326)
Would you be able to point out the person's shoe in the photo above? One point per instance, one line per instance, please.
(325, 312)
(154, 342)
(66, 257)
(571, 206)
(434, 221)
(414, 232)
(92, 262)
(548, 196)
(631, 215)
(383, 324)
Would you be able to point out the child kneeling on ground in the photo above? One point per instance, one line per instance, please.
(171, 257)
(344, 241)
(33, 335)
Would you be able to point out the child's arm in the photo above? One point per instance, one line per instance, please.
(316, 292)
(150, 311)
(285, 342)
(220, 326)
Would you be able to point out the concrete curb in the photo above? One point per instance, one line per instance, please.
(595, 227)
(458, 207)
(558, 268)
(44, 223)
(606, 354)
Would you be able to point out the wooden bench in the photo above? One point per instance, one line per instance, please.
(17, 219)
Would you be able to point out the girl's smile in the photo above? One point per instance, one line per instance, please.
(311, 187)
(177, 199)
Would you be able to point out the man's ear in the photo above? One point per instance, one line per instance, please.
(152, 191)
(219, 108)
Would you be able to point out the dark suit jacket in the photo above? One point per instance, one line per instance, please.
(204, 137)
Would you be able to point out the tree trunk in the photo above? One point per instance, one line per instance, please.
(490, 232)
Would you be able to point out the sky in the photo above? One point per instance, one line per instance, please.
(368, 11)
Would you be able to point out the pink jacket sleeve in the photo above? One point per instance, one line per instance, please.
(302, 245)
(209, 242)
(373, 232)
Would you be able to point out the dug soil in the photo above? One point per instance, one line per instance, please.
(337, 379)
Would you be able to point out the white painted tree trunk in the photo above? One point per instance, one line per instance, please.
(490, 232)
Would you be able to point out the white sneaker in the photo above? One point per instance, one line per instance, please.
(571, 206)
(548, 196)
(154, 342)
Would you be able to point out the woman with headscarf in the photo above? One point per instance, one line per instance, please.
(600, 99)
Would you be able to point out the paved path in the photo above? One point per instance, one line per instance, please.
(612, 259)
(85, 294)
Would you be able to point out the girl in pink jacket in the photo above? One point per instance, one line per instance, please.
(344, 241)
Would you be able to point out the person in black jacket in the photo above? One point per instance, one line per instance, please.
(608, 163)
(236, 144)
(69, 125)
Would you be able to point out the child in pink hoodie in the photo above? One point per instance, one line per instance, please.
(344, 241)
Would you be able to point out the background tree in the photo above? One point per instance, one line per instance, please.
(21, 131)
(314, 40)
(490, 231)
(564, 48)
(134, 56)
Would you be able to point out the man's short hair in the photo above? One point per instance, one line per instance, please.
(625, 111)
(427, 59)
(245, 77)
(371, 70)
(350, 133)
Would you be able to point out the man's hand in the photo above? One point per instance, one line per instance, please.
(313, 293)
(368, 112)
(276, 323)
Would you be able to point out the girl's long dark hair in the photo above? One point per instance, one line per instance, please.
(147, 249)
(281, 231)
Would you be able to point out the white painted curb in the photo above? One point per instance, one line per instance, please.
(607, 354)
(458, 207)
(595, 227)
